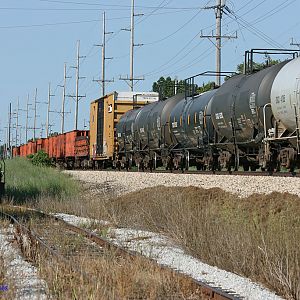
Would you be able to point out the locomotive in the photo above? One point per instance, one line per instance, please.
(251, 121)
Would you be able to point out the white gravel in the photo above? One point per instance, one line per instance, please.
(160, 249)
(124, 182)
(23, 275)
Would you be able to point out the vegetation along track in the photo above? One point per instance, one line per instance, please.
(68, 243)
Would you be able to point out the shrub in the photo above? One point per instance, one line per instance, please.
(41, 158)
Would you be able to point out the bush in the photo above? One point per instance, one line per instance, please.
(41, 159)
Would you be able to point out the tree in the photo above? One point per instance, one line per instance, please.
(166, 87)
(259, 66)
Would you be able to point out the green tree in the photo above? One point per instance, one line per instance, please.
(259, 66)
(166, 87)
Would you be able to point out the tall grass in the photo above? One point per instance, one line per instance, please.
(26, 182)
(257, 237)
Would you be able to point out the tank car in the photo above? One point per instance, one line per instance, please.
(149, 130)
(238, 119)
(283, 138)
(191, 127)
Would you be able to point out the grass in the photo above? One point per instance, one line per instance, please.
(26, 182)
(257, 237)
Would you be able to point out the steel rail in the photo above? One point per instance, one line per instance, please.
(39, 241)
(209, 291)
(209, 172)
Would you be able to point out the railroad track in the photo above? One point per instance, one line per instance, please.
(194, 172)
(48, 231)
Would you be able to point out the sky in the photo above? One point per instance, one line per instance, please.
(39, 36)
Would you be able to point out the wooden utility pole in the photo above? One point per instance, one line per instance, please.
(131, 79)
(27, 116)
(77, 97)
(103, 79)
(48, 110)
(35, 115)
(219, 7)
(17, 122)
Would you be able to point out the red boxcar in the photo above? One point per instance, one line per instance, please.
(60, 146)
(23, 150)
(39, 144)
(31, 147)
(70, 143)
(16, 151)
(82, 144)
(45, 146)
(51, 147)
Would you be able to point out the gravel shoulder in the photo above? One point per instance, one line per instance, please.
(121, 183)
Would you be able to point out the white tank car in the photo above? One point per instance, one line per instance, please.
(285, 95)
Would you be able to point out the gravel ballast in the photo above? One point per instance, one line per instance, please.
(124, 182)
(25, 276)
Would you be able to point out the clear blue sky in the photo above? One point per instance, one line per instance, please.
(38, 36)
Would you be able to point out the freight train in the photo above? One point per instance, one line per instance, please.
(251, 121)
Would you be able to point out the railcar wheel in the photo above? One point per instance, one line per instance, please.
(246, 167)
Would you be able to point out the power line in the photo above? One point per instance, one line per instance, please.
(93, 9)
(118, 5)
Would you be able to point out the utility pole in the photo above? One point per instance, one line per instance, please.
(219, 9)
(35, 115)
(17, 122)
(27, 116)
(9, 129)
(77, 86)
(63, 99)
(103, 58)
(132, 79)
(48, 110)
(292, 43)
(77, 97)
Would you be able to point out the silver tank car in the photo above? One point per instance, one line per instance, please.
(126, 129)
(189, 123)
(152, 123)
(237, 107)
(285, 95)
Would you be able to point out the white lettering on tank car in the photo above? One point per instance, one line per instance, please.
(219, 116)
(158, 123)
(252, 103)
(174, 125)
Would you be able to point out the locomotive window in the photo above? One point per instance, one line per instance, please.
(188, 120)
(180, 120)
(195, 118)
